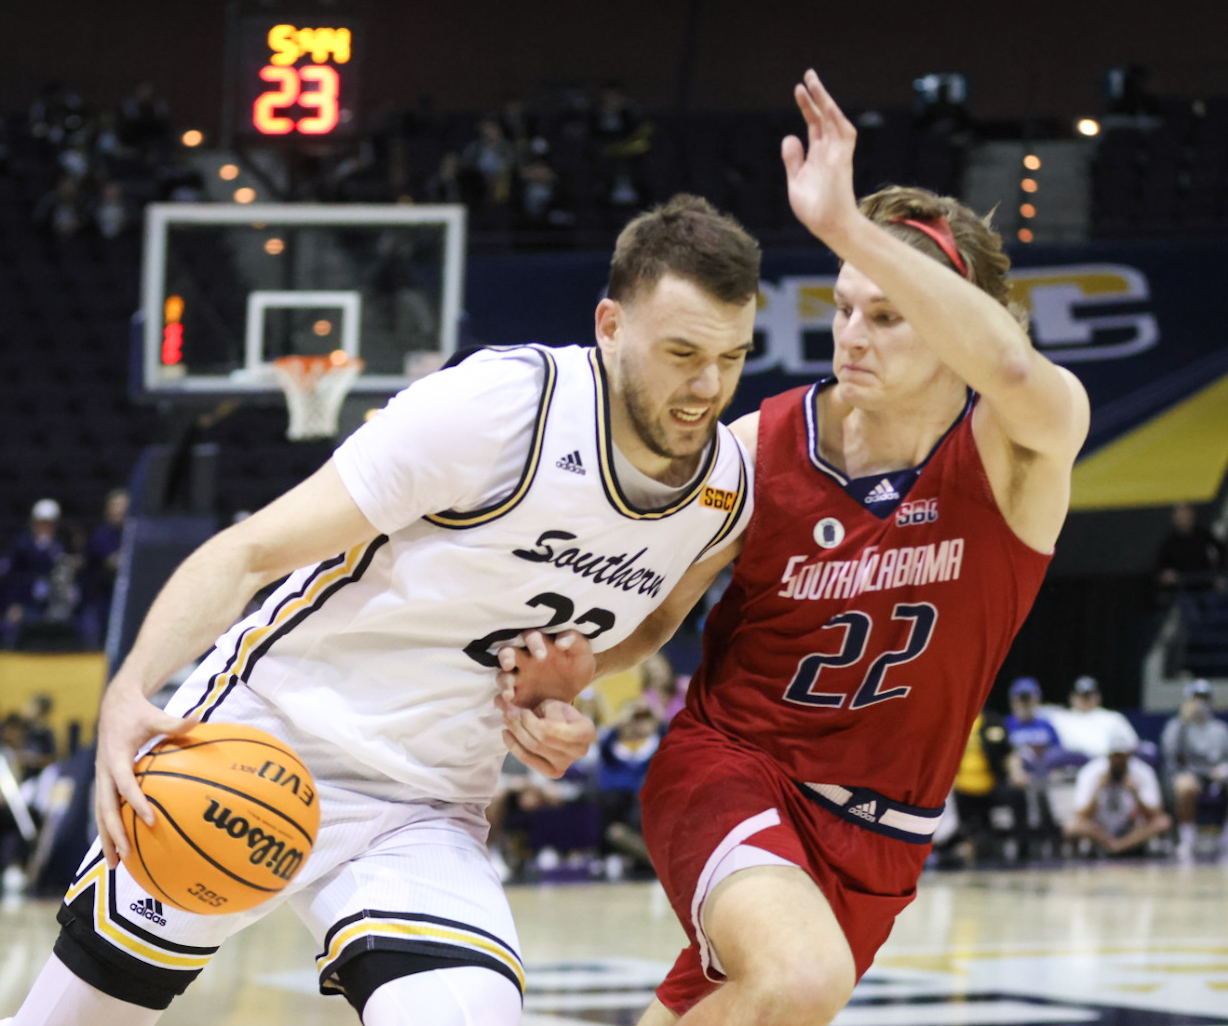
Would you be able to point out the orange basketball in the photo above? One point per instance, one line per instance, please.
(236, 814)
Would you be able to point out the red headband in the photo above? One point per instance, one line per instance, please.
(941, 233)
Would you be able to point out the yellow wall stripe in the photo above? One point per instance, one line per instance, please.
(1181, 455)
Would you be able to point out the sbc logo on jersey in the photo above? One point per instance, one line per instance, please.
(922, 511)
(718, 498)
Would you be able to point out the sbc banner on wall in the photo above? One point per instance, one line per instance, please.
(1134, 321)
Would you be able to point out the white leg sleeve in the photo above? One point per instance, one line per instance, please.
(61, 998)
(466, 995)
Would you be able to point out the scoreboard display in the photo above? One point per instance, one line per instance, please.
(298, 77)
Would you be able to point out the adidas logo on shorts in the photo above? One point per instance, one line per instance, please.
(149, 908)
(571, 462)
(867, 810)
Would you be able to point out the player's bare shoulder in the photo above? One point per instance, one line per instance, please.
(746, 430)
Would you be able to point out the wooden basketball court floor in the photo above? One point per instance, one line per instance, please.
(1101, 944)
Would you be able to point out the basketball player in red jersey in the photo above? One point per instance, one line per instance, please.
(906, 511)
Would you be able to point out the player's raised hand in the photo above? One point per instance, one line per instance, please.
(555, 666)
(548, 738)
(820, 173)
(126, 720)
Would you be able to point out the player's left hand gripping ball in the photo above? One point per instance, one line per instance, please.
(236, 815)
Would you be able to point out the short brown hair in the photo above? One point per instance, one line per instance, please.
(690, 238)
(978, 244)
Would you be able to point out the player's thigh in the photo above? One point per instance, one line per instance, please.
(459, 996)
(423, 897)
(773, 927)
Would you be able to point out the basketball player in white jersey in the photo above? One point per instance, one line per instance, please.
(525, 488)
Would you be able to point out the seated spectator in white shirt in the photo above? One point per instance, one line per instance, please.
(1117, 802)
(1086, 727)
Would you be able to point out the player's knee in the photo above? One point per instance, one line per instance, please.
(805, 992)
(460, 996)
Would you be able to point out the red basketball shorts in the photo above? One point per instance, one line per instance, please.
(706, 794)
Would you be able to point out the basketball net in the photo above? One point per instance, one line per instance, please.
(315, 387)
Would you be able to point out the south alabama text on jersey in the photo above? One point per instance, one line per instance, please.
(866, 621)
(388, 650)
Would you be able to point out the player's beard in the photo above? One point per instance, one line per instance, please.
(653, 433)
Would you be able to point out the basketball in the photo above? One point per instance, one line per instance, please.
(236, 815)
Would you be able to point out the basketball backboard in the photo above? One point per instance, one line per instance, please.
(227, 289)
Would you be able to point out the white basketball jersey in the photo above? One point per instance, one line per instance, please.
(388, 650)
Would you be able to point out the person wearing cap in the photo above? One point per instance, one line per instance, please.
(1195, 747)
(32, 563)
(1086, 727)
(1035, 749)
(1117, 801)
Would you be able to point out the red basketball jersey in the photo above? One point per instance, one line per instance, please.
(866, 619)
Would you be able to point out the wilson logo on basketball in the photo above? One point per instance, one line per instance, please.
(266, 849)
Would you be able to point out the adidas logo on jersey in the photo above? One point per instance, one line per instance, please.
(149, 908)
(867, 810)
(571, 462)
(884, 491)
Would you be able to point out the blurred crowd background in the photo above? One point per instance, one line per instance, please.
(552, 126)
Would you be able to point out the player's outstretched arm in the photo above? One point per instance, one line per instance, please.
(1041, 408)
(203, 597)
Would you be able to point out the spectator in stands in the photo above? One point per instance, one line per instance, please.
(981, 784)
(664, 690)
(110, 152)
(100, 568)
(540, 197)
(1117, 801)
(624, 751)
(1190, 563)
(1034, 749)
(144, 120)
(622, 137)
(112, 214)
(1086, 728)
(38, 748)
(444, 184)
(493, 158)
(1195, 746)
(62, 210)
(14, 847)
(37, 562)
(519, 795)
(57, 112)
(521, 126)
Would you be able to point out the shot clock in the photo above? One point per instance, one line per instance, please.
(298, 76)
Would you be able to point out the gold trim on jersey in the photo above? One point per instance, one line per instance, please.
(252, 639)
(472, 518)
(99, 878)
(455, 935)
(605, 455)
